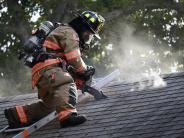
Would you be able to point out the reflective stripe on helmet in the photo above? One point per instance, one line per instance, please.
(92, 20)
(87, 15)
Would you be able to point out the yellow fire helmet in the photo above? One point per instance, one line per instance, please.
(94, 21)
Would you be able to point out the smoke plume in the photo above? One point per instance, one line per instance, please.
(138, 59)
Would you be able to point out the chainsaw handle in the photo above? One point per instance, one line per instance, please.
(94, 92)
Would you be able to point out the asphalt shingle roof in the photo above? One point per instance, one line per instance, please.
(127, 113)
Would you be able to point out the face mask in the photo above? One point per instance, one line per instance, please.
(92, 42)
(89, 39)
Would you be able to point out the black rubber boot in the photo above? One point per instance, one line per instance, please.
(13, 120)
(73, 120)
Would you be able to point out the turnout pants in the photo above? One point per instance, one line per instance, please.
(57, 91)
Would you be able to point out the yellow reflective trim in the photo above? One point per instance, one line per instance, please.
(92, 20)
(99, 28)
(101, 19)
(87, 15)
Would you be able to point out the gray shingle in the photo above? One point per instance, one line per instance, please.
(147, 113)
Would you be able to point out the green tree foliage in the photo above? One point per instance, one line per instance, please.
(161, 20)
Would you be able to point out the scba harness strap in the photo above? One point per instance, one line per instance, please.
(36, 69)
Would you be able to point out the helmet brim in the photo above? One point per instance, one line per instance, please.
(97, 36)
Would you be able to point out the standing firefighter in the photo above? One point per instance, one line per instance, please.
(56, 87)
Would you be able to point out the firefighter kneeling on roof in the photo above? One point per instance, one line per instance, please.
(56, 86)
